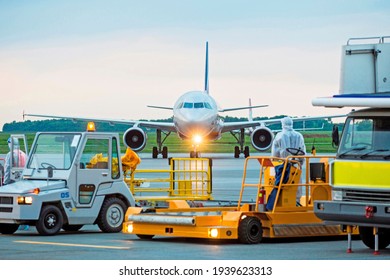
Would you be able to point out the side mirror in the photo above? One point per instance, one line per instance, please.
(335, 136)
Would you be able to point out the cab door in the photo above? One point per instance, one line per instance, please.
(94, 169)
(19, 152)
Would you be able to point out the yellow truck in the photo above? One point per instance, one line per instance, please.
(274, 212)
(359, 176)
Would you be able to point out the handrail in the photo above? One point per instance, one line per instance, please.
(267, 161)
(189, 178)
(381, 39)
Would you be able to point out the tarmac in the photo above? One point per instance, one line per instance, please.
(91, 244)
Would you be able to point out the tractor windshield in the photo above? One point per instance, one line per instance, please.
(54, 150)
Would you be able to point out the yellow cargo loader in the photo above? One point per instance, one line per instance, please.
(274, 212)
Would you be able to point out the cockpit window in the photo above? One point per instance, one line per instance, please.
(198, 105)
(188, 105)
(180, 105)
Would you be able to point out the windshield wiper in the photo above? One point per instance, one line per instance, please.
(350, 150)
(374, 151)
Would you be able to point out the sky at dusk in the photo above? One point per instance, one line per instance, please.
(113, 58)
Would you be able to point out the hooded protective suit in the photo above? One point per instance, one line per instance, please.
(19, 160)
(287, 138)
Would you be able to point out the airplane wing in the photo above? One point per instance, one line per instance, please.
(241, 108)
(160, 107)
(166, 126)
(229, 126)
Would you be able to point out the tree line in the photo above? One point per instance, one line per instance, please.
(69, 125)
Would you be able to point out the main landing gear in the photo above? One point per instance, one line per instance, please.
(160, 149)
(241, 149)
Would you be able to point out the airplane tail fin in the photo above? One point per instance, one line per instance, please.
(206, 79)
(250, 118)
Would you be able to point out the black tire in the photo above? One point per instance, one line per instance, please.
(368, 237)
(165, 152)
(72, 227)
(250, 231)
(8, 228)
(236, 152)
(145, 236)
(154, 152)
(246, 151)
(111, 215)
(50, 220)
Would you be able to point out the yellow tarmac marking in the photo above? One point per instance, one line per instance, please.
(73, 245)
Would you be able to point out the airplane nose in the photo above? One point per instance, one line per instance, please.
(197, 117)
(195, 122)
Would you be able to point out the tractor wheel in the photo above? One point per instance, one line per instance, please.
(368, 237)
(111, 215)
(250, 231)
(8, 228)
(50, 220)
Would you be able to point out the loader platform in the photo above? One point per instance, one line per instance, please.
(275, 214)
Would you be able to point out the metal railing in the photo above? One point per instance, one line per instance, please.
(186, 178)
(308, 181)
(380, 39)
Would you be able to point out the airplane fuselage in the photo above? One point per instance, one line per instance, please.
(195, 115)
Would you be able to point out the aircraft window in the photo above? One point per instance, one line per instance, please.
(180, 105)
(188, 105)
(198, 105)
(207, 105)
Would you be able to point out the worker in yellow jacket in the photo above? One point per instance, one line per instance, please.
(130, 160)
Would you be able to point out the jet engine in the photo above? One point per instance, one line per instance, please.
(262, 138)
(135, 138)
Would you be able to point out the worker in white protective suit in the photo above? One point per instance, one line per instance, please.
(289, 138)
(18, 160)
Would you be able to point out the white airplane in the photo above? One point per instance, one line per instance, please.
(195, 117)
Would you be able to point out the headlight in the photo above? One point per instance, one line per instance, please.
(213, 233)
(25, 200)
(337, 195)
(130, 228)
